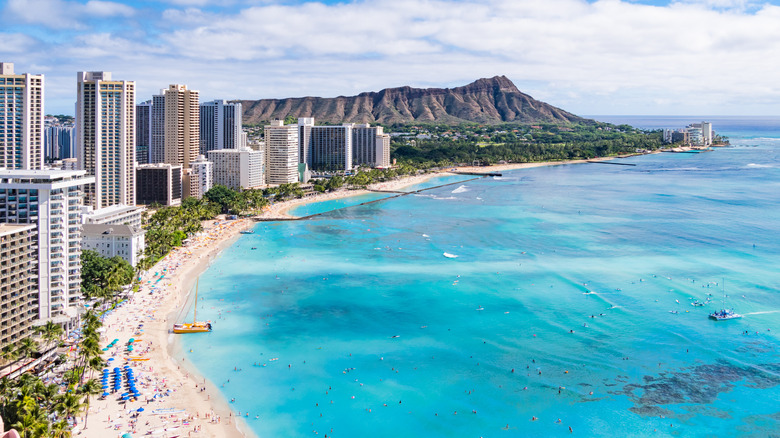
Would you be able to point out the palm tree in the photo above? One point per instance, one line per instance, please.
(9, 353)
(69, 405)
(32, 424)
(7, 388)
(88, 389)
(61, 429)
(27, 347)
(50, 332)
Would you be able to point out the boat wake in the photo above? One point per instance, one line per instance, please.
(762, 313)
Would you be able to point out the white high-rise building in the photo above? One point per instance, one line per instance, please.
(105, 137)
(330, 148)
(281, 153)
(21, 119)
(220, 126)
(201, 177)
(51, 200)
(238, 168)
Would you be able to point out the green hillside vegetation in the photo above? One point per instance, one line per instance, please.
(490, 144)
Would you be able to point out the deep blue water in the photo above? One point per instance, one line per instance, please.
(557, 305)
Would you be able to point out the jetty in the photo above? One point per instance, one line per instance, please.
(395, 194)
(611, 162)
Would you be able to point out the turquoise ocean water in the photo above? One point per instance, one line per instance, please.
(557, 306)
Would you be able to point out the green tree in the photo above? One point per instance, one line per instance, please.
(27, 347)
(50, 332)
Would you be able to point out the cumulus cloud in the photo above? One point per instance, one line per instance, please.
(601, 57)
(62, 14)
(15, 43)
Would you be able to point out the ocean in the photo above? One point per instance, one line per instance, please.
(522, 305)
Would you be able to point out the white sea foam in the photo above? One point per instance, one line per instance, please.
(758, 166)
(450, 256)
(460, 189)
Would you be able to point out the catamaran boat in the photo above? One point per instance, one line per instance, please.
(724, 314)
(195, 326)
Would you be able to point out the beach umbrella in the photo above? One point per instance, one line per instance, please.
(140, 410)
(105, 394)
(105, 349)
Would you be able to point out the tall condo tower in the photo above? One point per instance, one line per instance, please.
(182, 115)
(220, 126)
(21, 119)
(105, 139)
(143, 132)
(281, 153)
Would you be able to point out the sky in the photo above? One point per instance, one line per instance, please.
(619, 57)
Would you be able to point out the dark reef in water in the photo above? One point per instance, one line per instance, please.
(700, 384)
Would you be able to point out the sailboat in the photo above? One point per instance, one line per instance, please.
(724, 314)
(195, 326)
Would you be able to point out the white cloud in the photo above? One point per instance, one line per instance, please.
(15, 43)
(61, 14)
(707, 56)
(107, 9)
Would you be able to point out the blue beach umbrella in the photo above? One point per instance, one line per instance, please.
(140, 410)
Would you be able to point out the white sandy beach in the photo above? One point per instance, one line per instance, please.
(185, 403)
(184, 406)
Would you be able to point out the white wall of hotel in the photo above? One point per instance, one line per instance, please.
(52, 200)
(114, 240)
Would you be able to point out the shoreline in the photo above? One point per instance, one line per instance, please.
(281, 211)
(203, 407)
(165, 382)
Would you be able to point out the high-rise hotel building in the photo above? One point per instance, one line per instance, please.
(18, 282)
(370, 146)
(143, 132)
(182, 115)
(52, 200)
(281, 153)
(220, 126)
(105, 139)
(21, 119)
(325, 148)
(331, 148)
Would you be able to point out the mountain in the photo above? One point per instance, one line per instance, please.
(489, 101)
